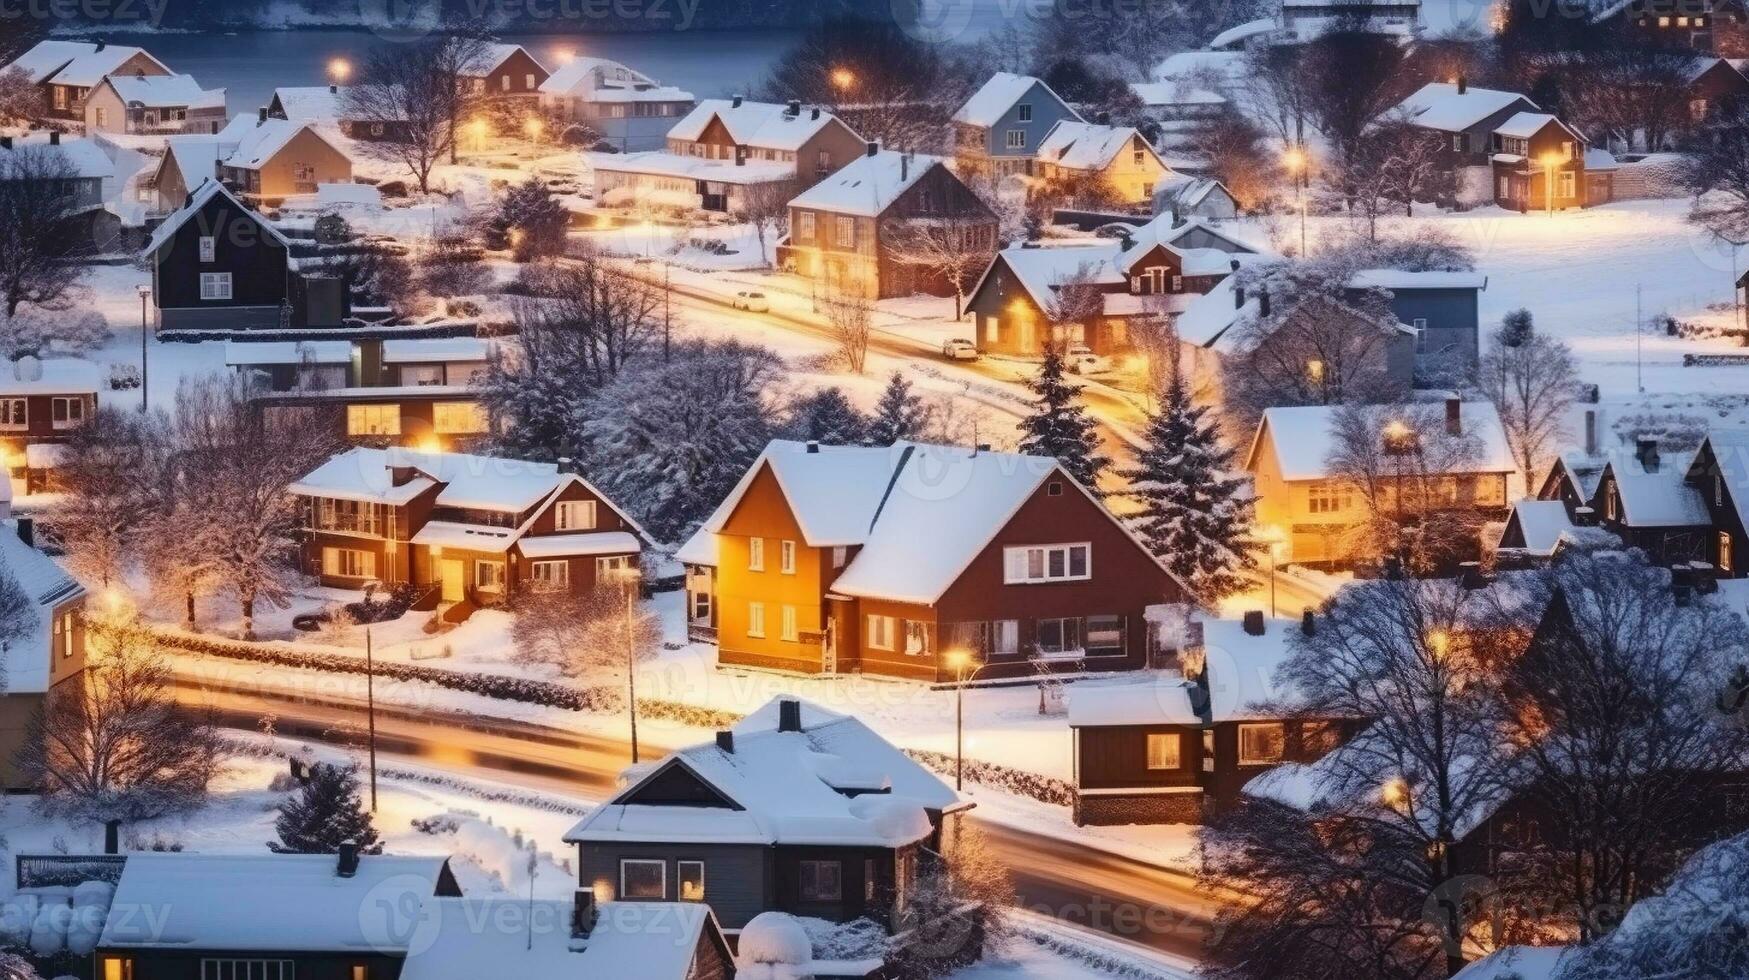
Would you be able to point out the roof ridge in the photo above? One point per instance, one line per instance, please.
(892, 481)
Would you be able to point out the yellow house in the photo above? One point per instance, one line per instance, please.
(1118, 157)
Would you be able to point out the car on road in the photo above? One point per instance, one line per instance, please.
(751, 301)
(959, 349)
(1080, 359)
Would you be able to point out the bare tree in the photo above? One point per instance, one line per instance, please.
(583, 632)
(955, 250)
(1533, 380)
(1635, 93)
(100, 514)
(175, 536)
(884, 83)
(415, 90)
(21, 99)
(851, 320)
(1077, 300)
(1717, 174)
(1320, 348)
(1392, 166)
(38, 204)
(591, 317)
(1277, 91)
(113, 746)
(17, 610)
(1352, 78)
(765, 206)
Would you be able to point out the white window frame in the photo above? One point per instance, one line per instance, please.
(1165, 751)
(844, 232)
(1014, 139)
(786, 557)
(1250, 760)
(608, 567)
(349, 563)
(881, 632)
(787, 629)
(1023, 112)
(215, 287)
(489, 576)
(1017, 563)
(14, 413)
(550, 576)
(209, 248)
(239, 968)
(756, 620)
(566, 515)
(658, 862)
(756, 554)
(66, 411)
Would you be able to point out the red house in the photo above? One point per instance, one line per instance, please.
(41, 403)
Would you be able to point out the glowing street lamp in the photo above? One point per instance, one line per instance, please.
(564, 54)
(533, 127)
(958, 660)
(843, 79)
(1299, 165)
(1550, 162)
(478, 130)
(339, 70)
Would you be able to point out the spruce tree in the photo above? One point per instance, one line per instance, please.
(1192, 516)
(1516, 328)
(828, 417)
(899, 416)
(530, 221)
(325, 813)
(1059, 425)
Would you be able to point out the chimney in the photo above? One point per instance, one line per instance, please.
(1308, 623)
(1454, 416)
(54, 137)
(726, 742)
(1254, 622)
(1463, 84)
(735, 103)
(904, 166)
(333, 90)
(260, 115)
(347, 864)
(1238, 296)
(1103, 119)
(813, 446)
(27, 531)
(1591, 432)
(874, 147)
(100, 45)
(1263, 302)
(982, 447)
(1647, 454)
(789, 715)
(582, 913)
(795, 108)
(816, 114)
(188, 199)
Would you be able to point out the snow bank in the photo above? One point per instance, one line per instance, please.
(775, 939)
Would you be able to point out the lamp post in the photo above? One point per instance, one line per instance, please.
(339, 70)
(370, 695)
(1298, 165)
(145, 291)
(534, 127)
(628, 579)
(1550, 162)
(958, 660)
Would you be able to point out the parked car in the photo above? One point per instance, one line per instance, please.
(752, 302)
(1080, 359)
(959, 349)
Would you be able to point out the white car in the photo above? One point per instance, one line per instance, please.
(752, 302)
(1081, 360)
(959, 349)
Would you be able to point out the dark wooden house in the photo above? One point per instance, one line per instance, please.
(1647, 501)
(1720, 475)
(504, 70)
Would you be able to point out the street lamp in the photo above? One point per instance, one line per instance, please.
(564, 54)
(477, 129)
(533, 127)
(1550, 162)
(145, 292)
(628, 577)
(370, 693)
(957, 660)
(1273, 538)
(339, 70)
(1299, 165)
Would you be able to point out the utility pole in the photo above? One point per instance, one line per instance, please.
(1639, 340)
(370, 700)
(631, 659)
(145, 291)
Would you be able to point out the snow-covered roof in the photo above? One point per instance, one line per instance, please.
(197, 156)
(602, 80)
(362, 474)
(1303, 439)
(165, 91)
(482, 482)
(1041, 271)
(1542, 522)
(1439, 105)
(261, 142)
(537, 546)
(26, 658)
(1241, 680)
(1176, 93)
(833, 493)
(82, 157)
(46, 57)
(310, 103)
(491, 57)
(269, 902)
(1238, 35)
(240, 353)
(1524, 125)
(868, 185)
(764, 125)
(489, 538)
(1215, 66)
(1661, 498)
(434, 351)
(1187, 191)
(996, 96)
(661, 163)
(786, 788)
(55, 376)
(1395, 279)
(1599, 159)
(1729, 451)
(1078, 145)
(1516, 963)
(88, 64)
(197, 199)
(504, 936)
(1148, 699)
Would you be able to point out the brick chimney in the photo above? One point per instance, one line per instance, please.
(346, 863)
(735, 103)
(1647, 454)
(1591, 432)
(1454, 416)
(261, 116)
(1463, 84)
(1308, 623)
(795, 109)
(874, 147)
(789, 715)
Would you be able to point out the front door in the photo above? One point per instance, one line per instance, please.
(454, 572)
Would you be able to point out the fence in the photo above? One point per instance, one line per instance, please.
(46, 870)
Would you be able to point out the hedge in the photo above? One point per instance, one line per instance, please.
(1045, 789)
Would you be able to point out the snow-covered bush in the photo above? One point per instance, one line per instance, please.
(774, 946)
(48, 931)
(36, 331)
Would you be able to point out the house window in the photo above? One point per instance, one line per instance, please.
(870, 880)
(1047, 563)
(1261, 744)
(1059, 637)
(822, 881)
(1015, 139)
(840, 555)
(691, 875)
(550, 576)
(1725, 551)
(786, 557)
(360, 972)
(917, 641)
(528, 82)
(66, 412)
(756, 554)
(1505, 192)
(348, 563)
(999, 638)
(787, 625)
(1327, 498)
(880, 632)
(13, 413)
(1569, 184)
(208, 248)
(1105, 636)
(701, 607)
(458, 418)
(756, 620)
(1718, 490)
(1024, 112)
(1609, 500)
(215, 285)
(574, 515)
(489, 576)
(643, 879)
(805, 226)
(116, 968)
(60, 97)
(844, 230)
(1317, 738)
(246, 970)
(1163, 750)
(373, 420)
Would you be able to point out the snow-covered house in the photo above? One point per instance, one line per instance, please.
(1719, 27)
(1195, 197)
(67, 71)
(1465, 117)
(78, 170)
(273, 159)
(1720, 474)
(1115, 159)
(1647, 500)
(631, 110)
(503, 71)
(465, 530)
(1171, 749)
(272, 916)
(726, 151)
(795, 809)
(1305, 20)
(883, 560)
(41, 403)
(154, 105)
(219, 265)
(327, 106)
(476, 938)
(868, 229)
(49, 650)
(1086, 294)
(1000, 128)
(1316, 508)
(1542, 163)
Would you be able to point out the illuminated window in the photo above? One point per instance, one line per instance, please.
(691, 881)
(1163, 750)
(880, 632)
(348, 563)
(844, 232)
(756, 619)
(756, 554)
(614, 565)
(550, 576)
(787, 625)
(458, 418)
(489, 576)
(1261, 744)
(373, 420)
(1725, 551)
(575, 515)
(805, 226)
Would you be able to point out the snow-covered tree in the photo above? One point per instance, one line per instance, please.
(850, 318)
(899, 415)
(1192, 514)
(116, 747)
(1533, 380)
(99, 515)
(765, 206)
(21, 98)
(584, 634)
(17, 610)
(324, 813)
(37, 233)
(415, 90)
(36, 331)
(530, 222)
(827, 417)
(1059, 426)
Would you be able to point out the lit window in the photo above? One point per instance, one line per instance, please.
(805, 226)
(1163, 750)
(575, 515)
(550, 576)
(1262, 744)
(880, 632)
(1725, 563)
(489, 576)
(348, 563)
(1047, 563)
(614, 566)
(917, 639)
(691, 881)
(844, 231)
(373, 420)
(756, 619)
(458, 418)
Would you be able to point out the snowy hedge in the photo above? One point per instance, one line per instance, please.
(1045, 789)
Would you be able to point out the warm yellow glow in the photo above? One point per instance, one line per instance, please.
(1315, 370)
(533, 127)
(843, 78)
(958, 660)
(1397, 430)
(515, 237)
(339, 69)
(1294, 159)
(430, 444)
(564, 55)
(1440, 643)
(1553, 160)
(1395, 794)
(478, 130)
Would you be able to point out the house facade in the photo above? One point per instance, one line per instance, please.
(1443, 308)
(1305, 20)
(1720, 473)
(1000, 128)
(42, 403)
(48, 651)
(1108, 161)
(1647, 500)
(852, 231)
(275, 159)
(1717, 27)
(327, 105)
(898, 560)
(67, 71)
(503, 71)
(1541, 162)
(631, 110)
(466, 531)
(76, 171)
(1465, 118)
(152, 105)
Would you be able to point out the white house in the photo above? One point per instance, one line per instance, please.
(631, 110)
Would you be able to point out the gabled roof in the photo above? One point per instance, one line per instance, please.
(1238, 35)
(1729, 452)
(47, 57)
(87, 67)
(492, 56)
(310, 103)
(473, 938)
(1524, 125)
(25, 659)
(83, 157)
(1078, 145)
(270, 902)
(1400, 279)
(765, 125)
(1661, 498)
(835, 782)
(1188, 191)
(196, 156)
(602, 80)
(867, 186)
(1303, 440)
(258, 144)
(1541, 523)
(1217, 67)
(165, 91)
(832, 493)
(1439, 105)
(996, 96)
(197, 199)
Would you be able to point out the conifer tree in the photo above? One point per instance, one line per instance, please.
(900, 415)
(828, 417)
(1192, 517)
(324, 814)
(1059, 425)
(530, 222)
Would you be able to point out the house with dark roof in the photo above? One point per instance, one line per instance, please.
(1720, 475)
(1647, 501)
(327, 105)
(50, 648)
(470, 938)
(887, 560)
(1718, 27)
(1000, 128)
